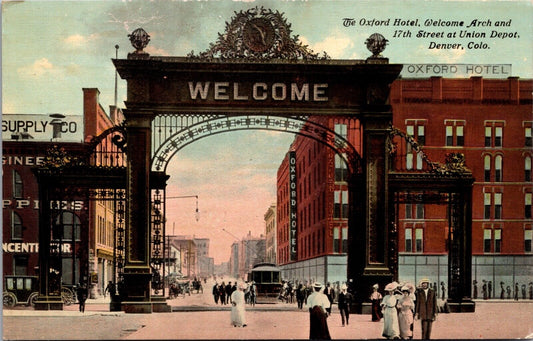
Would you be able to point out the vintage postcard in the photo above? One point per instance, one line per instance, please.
(267, 169)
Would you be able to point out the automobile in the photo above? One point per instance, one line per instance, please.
(20, 289)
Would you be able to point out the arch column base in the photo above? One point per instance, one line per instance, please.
(462, 306)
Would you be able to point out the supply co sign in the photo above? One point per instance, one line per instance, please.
(54, 127)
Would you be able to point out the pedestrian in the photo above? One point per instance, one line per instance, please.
(489, 288)
(238, 311)
(484, 290)
(516, 291)
(475, 289)
(502, 292)
(406, 305)
(110, 288)
(222, 293)
(216, 293)
(328, 291)
(391, 329)
(300, 295)
(228, 292)
(344, 302)
(81, 292)
(426, 307)
(531, 290)
(318, 323)
(376, 298)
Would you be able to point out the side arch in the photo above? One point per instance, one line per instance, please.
(299, 125)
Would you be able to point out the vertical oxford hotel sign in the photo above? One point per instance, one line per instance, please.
(293, 213)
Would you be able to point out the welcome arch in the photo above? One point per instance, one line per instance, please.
(258, 76)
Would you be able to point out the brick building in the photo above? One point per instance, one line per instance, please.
(26, 140)
(489, 121)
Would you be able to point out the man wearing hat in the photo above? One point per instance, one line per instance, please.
(344, 301)
(318, 303)
(426, 307)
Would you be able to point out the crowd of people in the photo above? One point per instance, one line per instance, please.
(399, 307)
(515, 292)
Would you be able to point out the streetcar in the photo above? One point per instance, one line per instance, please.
(267, 279)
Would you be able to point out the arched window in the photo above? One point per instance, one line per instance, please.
(498, 174)
(16, 226)
(527, 168)
(18, 186)
(487, 168)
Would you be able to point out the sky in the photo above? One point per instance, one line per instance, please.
(53, 49)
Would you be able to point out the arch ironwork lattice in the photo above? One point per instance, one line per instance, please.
(174, 133)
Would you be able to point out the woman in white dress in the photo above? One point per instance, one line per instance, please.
(405, 316)
(238, 312)
(391, 329)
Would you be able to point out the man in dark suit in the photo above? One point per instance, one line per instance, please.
(426, 307)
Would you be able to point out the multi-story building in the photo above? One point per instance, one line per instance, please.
(270, 233)
(313, 201)
(26, 140)
(487, 120)
(490, 122)
(245, 254)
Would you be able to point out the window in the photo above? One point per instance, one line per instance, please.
(487, 240)
(67, 227)
(16, 226)
(20, 266)
(488, 137)
(494, 134)
(498, 168)
(409, 240)
(497, 205)
(528, 235)
(487, 203)
(498, 137)
(528, 137)
(18, 187)
(497, 241)
(344, 248)
(419, 234)
(460, 136)
(335, 239)
(408, 211)
(341, 170)
(342, 130)
(421, 137)
(487, 168)
(340, 209)
(527, 169)
(455, 132)
(449, 135)
(527, 206)
(419, 211)
(415, 129)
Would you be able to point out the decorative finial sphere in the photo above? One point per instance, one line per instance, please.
(376, 44)
(139, 39)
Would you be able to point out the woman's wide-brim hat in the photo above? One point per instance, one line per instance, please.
(409, 287)
(391, 286)
(375, 286)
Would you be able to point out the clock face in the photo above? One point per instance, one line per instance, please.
(258, 34)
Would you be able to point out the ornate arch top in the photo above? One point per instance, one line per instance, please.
(258, 34)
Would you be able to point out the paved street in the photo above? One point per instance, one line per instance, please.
(197, 317)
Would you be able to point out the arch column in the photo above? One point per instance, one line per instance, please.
(135, 288)
(369, 224)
